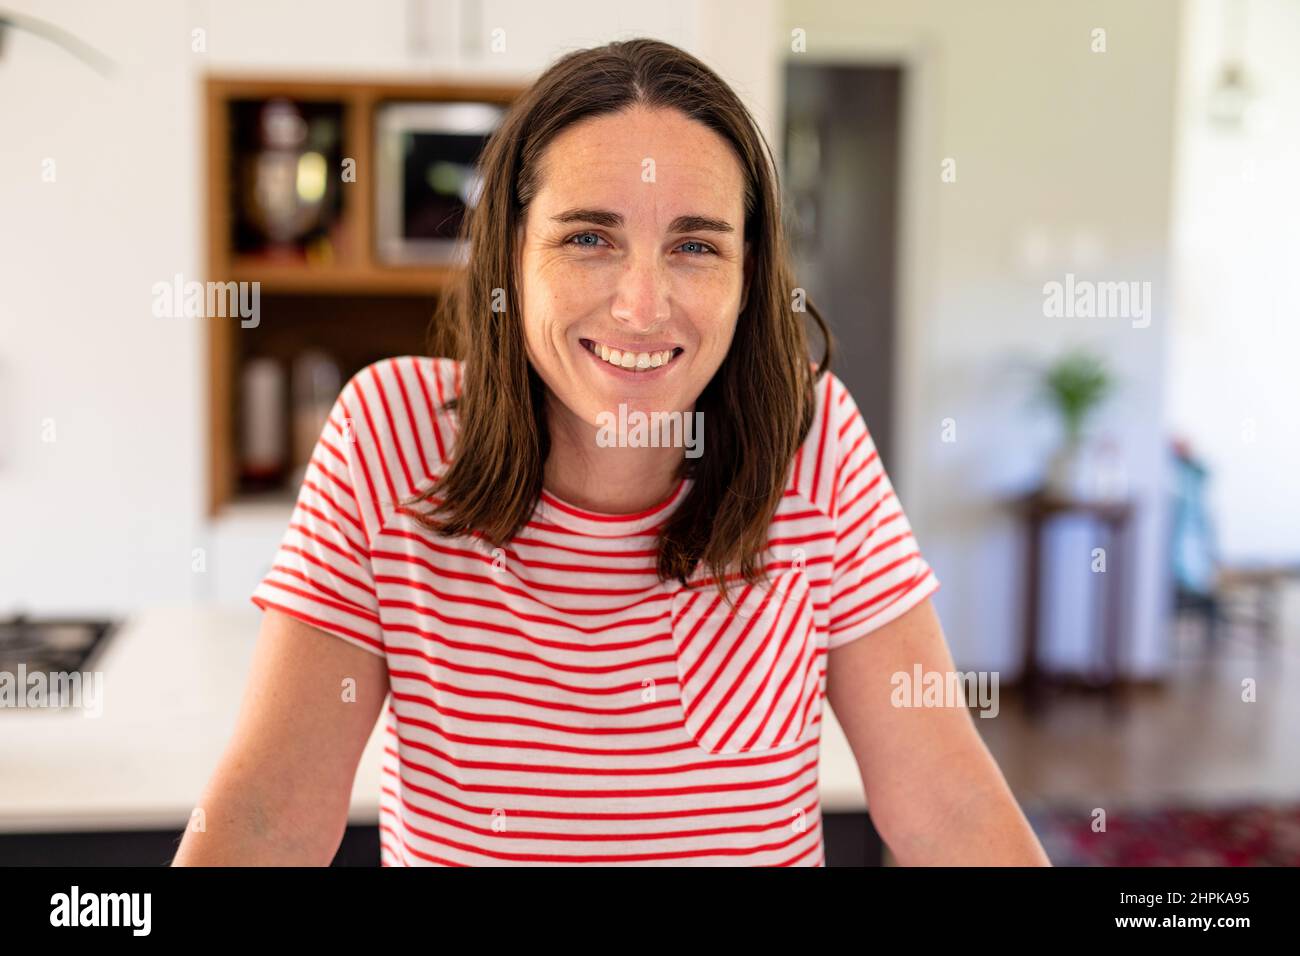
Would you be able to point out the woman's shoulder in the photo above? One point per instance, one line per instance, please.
(397, 410)
(415, 382)
(837, 437)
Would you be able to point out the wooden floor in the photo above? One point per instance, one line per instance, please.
(1193, 743)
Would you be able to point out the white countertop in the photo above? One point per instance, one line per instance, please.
(173, 680)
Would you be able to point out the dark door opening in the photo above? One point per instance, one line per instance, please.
(842, 134)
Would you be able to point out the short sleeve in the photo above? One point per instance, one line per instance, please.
(879, 572)
(322, 573)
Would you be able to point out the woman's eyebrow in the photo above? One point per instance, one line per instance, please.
(614, 220)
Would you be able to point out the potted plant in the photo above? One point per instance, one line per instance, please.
(1075, 384)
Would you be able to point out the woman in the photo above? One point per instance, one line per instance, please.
(604, 643)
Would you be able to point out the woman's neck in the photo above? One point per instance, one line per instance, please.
(608, 480)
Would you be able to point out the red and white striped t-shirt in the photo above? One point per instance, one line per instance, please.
(555, 702)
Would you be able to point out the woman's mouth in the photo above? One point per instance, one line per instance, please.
(629, 360)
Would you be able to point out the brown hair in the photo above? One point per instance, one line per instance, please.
(760, 403)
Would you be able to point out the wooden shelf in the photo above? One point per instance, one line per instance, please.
(355, 305)
(341, 279)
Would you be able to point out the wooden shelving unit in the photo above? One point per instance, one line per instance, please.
(355, 305)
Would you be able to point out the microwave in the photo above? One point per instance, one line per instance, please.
(426, 177)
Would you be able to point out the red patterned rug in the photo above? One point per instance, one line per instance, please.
(1247, 835)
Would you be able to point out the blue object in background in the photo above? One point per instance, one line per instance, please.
(1193, 535)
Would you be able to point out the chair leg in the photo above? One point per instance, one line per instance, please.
(1213, 619)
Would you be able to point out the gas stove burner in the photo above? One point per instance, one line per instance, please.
(49, 645)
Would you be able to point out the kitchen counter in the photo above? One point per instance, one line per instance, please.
(173, 681)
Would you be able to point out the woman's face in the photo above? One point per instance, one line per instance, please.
(632, 252)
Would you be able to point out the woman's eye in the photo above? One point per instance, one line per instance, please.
(588, 239)
(699, 247)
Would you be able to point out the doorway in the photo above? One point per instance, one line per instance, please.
(842, 141)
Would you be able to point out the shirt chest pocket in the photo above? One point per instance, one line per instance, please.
(748, 676)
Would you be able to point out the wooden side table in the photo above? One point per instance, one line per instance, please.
(1038, 510)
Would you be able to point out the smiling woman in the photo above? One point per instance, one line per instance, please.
(594, 651)
(630, 228)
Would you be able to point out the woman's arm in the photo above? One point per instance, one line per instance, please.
(281, 791)
(934, 792)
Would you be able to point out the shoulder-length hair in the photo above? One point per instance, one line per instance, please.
(760, 403)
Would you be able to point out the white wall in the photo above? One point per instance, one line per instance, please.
(1063, 164)
(106, 517)
(1236, 324)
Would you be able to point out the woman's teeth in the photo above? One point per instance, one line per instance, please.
(637, 361)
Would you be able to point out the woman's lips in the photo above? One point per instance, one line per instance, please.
(639, 361)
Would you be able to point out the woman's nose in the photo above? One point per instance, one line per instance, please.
(641, 298)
